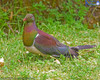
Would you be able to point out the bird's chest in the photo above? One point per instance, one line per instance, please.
(29, 35)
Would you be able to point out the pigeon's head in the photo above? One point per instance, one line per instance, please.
(29, 17)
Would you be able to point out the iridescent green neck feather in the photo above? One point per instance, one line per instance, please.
(29, 34)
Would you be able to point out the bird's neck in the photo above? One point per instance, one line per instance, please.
(34, 25)
(29, 34)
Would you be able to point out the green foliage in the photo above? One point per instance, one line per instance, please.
(75, 13)
(41, 7)
(3, 18)
(2, 34)
(69, 13)
(66, 13)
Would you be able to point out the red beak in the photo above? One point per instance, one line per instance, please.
(24, 19)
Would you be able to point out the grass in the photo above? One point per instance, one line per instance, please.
(20, 64)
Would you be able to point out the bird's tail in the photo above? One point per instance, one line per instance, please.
(85, 47)
(74, 50)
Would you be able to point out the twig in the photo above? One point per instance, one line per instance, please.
(10, 28)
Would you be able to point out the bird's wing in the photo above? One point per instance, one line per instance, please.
(47, 44)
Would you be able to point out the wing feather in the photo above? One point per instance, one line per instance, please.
(47, 44)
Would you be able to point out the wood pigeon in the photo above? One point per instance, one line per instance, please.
(39, 42)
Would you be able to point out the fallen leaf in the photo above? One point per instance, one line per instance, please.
(1, 62)
(11, 15)
(27, 52)
(19, 61)
(49, 71)
(57, 61)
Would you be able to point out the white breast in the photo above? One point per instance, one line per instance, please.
(34, 50)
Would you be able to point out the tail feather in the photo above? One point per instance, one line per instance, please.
(86, 47)
(74, 50)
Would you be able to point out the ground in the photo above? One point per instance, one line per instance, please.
(18, 63)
